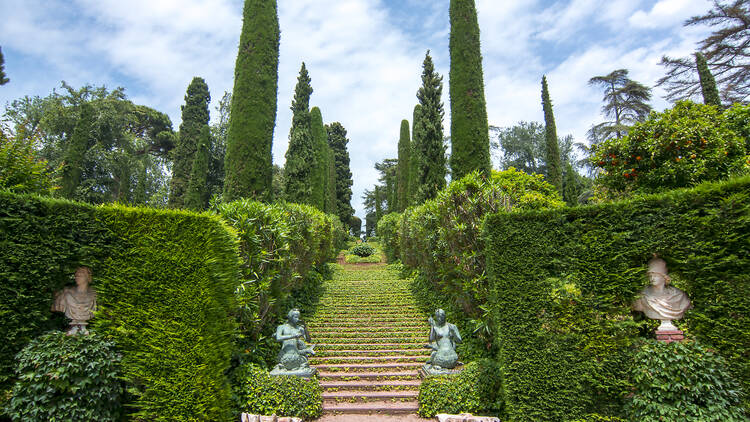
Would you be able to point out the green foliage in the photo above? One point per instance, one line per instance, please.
(414, 156)
(477, 389)
(708, 83)
(21, 169)
(3, 78)
(680, 147)
(470, 140)
(625, 102)
(319, 178)
(554, 166)
(301, 157)
(63, 377)
(120, 148)
(330, 193)
(428, 147)
(337, 141)
(402, 172)
(253, 117)
(363, 250)
(388, 231)
(195, 117)
(561, 283)
(165, 283)
(258, 392)
(196, 197)
(683, 381)
(355, 226)
(737, 119)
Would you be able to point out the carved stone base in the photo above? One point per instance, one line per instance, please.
(669, 336)
(301, 372)
(465, 417)
(428, 370)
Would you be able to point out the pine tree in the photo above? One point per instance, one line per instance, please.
(301, 161)
(625, 101)
(337, 140)
(320, 170)
(3, 78)
(470, 141)
(414, 157)
(80, 142)
(429, 145)
(195, 117)
(402, 172)
(248, 163)
(196, 196)
(554, 167)
(708, 83)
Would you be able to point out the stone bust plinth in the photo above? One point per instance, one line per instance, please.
(661, 301)
(78, 303)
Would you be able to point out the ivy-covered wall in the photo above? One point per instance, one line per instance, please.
(165, 283)
(561, 284)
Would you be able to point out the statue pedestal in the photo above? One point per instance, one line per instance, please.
(669, 336)
(430, 371)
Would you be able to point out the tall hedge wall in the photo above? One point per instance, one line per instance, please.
(165, 283)
(562, 281)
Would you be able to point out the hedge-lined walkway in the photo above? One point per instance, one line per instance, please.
(370, 339)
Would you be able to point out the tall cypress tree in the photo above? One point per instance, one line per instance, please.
(402, 171)
(429, 146)
(470, 140)
(320, 169)
(554, 167)
(248, 164)
(195, 117)
(331, 183)
(708, 83)
(80, 142)
(196, 196)
(414, 157)
(300, 155)
(337, 140)
(3, 78)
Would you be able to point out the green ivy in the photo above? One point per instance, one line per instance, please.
(256, 391)
(477, 389)
(685, 382)
(61, 377)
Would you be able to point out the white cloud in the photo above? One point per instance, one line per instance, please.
(668, 13)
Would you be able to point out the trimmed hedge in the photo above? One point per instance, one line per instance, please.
(165, 283)
(256, 391)
(477, 389)
(562, 282)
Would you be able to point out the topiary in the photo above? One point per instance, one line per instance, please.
(476, 389)
(69, 378)
(362, 250)
(256, 391)
(685, 382)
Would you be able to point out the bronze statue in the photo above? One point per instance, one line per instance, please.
(294, 351)
(443, 339)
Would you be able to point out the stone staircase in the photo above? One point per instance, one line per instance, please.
(370, 338)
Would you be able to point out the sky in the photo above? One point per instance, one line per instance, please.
(364, 57)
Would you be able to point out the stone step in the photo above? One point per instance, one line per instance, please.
(368, 359)
(363, 395)
(353, 367)
(412, 345)
(382, 407)
(365, 352)
(391, 375)
(369, 385)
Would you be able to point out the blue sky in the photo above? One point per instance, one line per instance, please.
(364, 56)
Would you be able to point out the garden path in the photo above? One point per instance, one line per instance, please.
(370, 338)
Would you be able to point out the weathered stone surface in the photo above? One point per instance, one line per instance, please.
(246, 417)
(659, 300)
(78, 303)
(465, 417)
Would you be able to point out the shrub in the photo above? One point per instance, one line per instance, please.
(362, 250)
(256, 391)
(680, 147)
(685, 382)
(477, 389)
(388, 231)
(21, 171)
(562, 283)
(63, 377)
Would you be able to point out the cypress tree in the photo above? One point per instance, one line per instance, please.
(320, 169)
(248, 163)
(196, 196)
(414, 157)
(337, 140)
(3, 79)
(708, 83)
(431, 170)
(195, 117)
(331, 183)
(554, 167)
(402, 171)
(80, 142)
(300, 155)
(470, 141)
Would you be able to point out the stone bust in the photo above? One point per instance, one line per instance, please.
(659, 300)
(78, 303)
